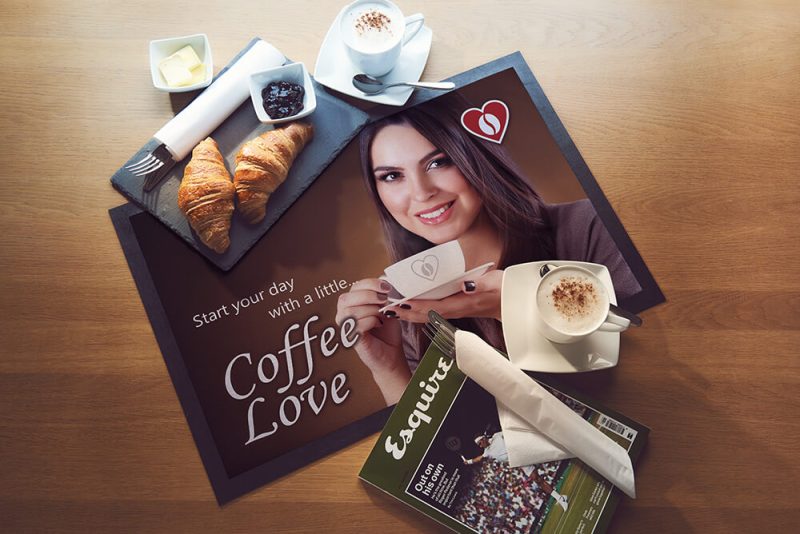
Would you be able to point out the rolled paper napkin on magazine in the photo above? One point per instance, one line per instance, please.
(535, 405)
(525, 444)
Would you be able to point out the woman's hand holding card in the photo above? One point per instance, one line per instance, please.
(478, 298)
(380, 344)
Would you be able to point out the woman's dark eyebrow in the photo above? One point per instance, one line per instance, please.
(428, 156)
(422, 159)
(385, 168)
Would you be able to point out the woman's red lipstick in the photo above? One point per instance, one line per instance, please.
(437, 214)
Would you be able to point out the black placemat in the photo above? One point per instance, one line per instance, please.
(314, 244)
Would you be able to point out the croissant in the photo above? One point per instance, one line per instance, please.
(262, 165)
(205, 196)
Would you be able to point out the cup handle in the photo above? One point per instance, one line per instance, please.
(614, 323)
(419, 20)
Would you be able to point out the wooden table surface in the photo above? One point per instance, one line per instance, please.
(687, 114)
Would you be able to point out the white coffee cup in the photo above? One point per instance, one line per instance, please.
(374, 32)
(572, 303)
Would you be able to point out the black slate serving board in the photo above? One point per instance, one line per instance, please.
(335, 123)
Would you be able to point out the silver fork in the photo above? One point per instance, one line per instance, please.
(154, 166)
(441, 333)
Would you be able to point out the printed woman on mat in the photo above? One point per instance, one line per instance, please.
(432, 182)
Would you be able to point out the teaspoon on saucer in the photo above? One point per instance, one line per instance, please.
(632, 317)
(372, 86)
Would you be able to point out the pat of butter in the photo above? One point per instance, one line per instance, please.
(174, 71)
(182, 68)
(198, 74)
(188, 56)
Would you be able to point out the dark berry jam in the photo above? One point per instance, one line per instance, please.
(282, 99)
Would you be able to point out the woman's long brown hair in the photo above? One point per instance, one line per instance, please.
(509, 201)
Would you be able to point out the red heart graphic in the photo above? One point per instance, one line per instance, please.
(490, 122)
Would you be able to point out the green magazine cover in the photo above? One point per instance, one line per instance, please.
(442, 452)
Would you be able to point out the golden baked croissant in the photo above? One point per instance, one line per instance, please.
(262, 165)
(205, 196)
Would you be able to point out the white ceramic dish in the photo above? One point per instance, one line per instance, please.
(294, 73)
(335, 70)
(528, 349)
(161, 48)
(445, 289)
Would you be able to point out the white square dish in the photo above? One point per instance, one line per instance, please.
(162, 48)
(294, 73)
(528, 349)
(335, 70)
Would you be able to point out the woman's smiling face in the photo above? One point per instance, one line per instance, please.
(421, 187)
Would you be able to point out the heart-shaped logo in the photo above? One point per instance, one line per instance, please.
(426, 267)
(490, 122)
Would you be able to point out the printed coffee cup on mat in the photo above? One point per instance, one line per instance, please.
(426, 270)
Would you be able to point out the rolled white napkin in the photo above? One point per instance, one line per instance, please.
(524, 396)
(525, 444)
(197, 120)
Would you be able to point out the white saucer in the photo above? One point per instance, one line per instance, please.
(443, 290)
(335, 70)
(528, 349)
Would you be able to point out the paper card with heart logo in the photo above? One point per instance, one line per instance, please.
(426, 270)
(432, 274)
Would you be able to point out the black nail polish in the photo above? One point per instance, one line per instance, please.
(391, 314)
(405, 306)
(469, 286)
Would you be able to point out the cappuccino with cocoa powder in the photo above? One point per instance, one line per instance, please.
(372, 27)
(374, 32)
(572, 301)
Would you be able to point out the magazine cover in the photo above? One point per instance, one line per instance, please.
(442, 452)
(290, 354)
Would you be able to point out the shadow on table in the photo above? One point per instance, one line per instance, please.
(415, 521)
(702, 469)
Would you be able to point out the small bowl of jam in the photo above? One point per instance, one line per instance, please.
(282, 94)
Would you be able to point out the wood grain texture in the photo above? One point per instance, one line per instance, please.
(687, 113)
